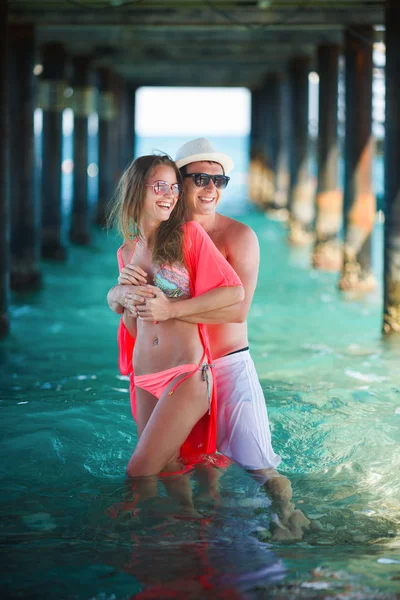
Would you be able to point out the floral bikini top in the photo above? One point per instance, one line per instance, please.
(173, 280)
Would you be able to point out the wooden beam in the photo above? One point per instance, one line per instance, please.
(203, 16)
(240, 59)
(130, 34)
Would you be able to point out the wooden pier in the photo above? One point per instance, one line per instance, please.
(105, 50)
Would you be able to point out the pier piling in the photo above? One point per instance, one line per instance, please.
(301, 194)
(52, 101)
(359, 198)
(83, 104)
(391, 317)
(4, 198)
(327, 253)
(108, 160)
(24, 203)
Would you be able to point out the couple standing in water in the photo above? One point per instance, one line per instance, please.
(187, 279)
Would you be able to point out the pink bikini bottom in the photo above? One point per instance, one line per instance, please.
(155, 383)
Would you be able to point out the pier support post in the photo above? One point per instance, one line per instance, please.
(391, 317)
(107, 154)
(267, 182)
(83, 104)
(261, 173)
(25, 215)
(127, 123)
(278, 144)
(4, 198)
(52, 102)
(328, 253)
(359, 198)
(253, 147)
(301, 194)
(256, 169)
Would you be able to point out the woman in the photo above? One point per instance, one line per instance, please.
(172, 396)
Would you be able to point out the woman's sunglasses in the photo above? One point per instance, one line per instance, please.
(202, 180)
(162, 187)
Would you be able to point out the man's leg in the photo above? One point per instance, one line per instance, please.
(243, 432)
(244, 436)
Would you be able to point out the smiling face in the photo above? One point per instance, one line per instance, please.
(202, 201)
(158, 207)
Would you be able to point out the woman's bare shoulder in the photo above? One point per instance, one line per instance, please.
(126, 251)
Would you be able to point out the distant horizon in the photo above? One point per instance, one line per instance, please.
(192, 112)
(191, 136)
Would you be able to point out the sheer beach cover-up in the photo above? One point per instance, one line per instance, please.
(208, 269)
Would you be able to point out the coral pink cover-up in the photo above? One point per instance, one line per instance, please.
(207, 269)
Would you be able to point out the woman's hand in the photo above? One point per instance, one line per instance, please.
(132, 275)
(126, 297)
(156, 308)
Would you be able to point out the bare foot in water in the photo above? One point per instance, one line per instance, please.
(297, 523)
(291, 529)
(279, 532)
(289, 523)
(292, 520)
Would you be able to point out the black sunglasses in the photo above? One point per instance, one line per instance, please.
(203, 179)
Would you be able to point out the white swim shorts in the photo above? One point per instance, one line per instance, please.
(243, 433)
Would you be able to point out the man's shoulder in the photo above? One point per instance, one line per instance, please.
(235, 231)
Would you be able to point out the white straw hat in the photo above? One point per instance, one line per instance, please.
(201, 149)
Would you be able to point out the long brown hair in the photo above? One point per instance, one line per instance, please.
(127, 207)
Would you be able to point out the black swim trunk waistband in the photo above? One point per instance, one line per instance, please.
(237, 351)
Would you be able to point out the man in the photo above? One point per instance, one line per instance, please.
(243, 428)
(243, 432)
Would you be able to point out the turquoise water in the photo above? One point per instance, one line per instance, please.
(332, 387)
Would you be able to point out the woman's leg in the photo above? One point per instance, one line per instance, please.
(145, 487)
(145, 404)
(179, 488)
(169, 425)
(208, 478)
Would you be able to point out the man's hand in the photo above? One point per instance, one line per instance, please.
(127, 297)
(132, 275)
(124, 296)
(156, 307)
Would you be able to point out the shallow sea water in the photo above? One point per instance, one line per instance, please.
(69, 527)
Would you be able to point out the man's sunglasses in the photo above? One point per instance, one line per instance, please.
(162, 187)
(202, 180)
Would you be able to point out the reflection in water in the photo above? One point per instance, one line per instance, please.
(197, 549)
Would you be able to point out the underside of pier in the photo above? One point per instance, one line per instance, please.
(194, 42)
(92, 55)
